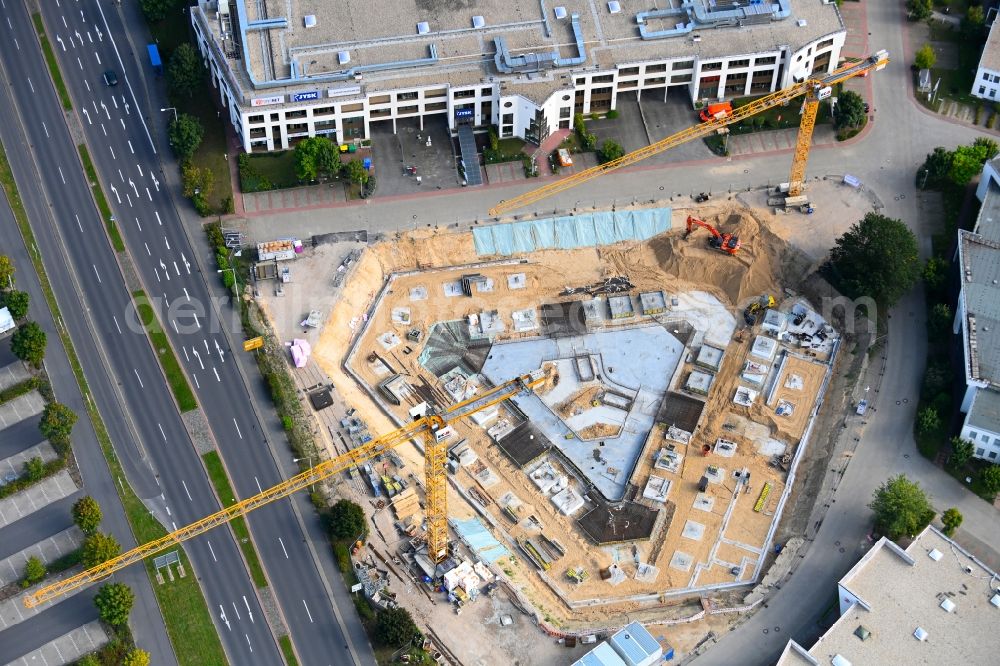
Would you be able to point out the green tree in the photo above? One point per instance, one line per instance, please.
(395, 627)
(876, 257)
(925, 57)
(34, 469)
(346, 520)
(968, 161)
(306, 158)
(918, 10)
(356, 172)
(196, 182)
(328, 157)
(156, 10)
(610, 150)
(990, 479)
(88, 660)
(99, 548)
(185, 135)
(937, 378)
(87, 514)
(850, 110)
(28, 343)
(928, 420)
(185, 73)
(901, 508)
(17, 302)
(973, 23)
(961, 452)
(951, 519)
(34, 571)
(939, 321)
(935, 273)
(934, 172)
(57, 423)
(136, 657)
(114, 603)
(6, 272)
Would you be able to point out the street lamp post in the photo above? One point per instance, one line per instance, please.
(308, 460)
(171, 108)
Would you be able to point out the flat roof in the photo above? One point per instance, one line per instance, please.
(985, 410)
(378, 32)
(980, 277)
(903, 590)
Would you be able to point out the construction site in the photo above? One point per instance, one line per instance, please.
(650, 464)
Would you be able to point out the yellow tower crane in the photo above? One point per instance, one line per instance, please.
(815, 89)
(430, 427)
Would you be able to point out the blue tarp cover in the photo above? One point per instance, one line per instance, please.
(474, 533)
(568, 232)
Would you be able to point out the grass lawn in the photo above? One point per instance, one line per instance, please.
(213, 149)
(974, 468)
(217, 473)
(956, 84)
(102, 201)
(279, 168)
(286, 650)
(779, 117)
(182, 604)
(50, 59)
(171, 367)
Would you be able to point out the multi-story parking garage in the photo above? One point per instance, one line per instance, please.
(294, 68)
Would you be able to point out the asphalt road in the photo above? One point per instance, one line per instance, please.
(123, 152)
(80, 261)
(146, 620)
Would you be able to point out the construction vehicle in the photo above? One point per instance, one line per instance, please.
(758, 308)
(727, 243)
(813, 88)
(429, 427)
(716, 110)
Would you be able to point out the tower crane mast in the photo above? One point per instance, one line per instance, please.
(429, 427)
(814, 89)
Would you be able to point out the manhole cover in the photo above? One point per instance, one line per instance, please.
(766, 630)
(777, 630)
(841, 550)
(836, 543)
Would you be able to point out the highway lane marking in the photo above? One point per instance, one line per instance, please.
(79, 62)
(186, 492)
(157, 274)
(207, 350)
(128, 199)
(174, 322)
(185, 350)
(117, 326)
(96, 110)
(65, 25)
(184, 288)
(259, 489)
(248, 642)
(46, 131)
(196, 384)
(283, 547)
(113, 99)
(87, 83)
(96, 273)
(30, 85)
(237, 428)
(121, 175)
(148, 253)
(161, 432)
(89, 37)
(167, 508)
(139, 167)
(79, 226)
(129, 141)
(217, 378)
(61, 176)
(148, 194)
(166, 242)
(174, 525)
(249, 612)
(18, 44)
(103, 129)
(140, 386)
(9, 23)
(122, 120)
(112, 155)
(237, 610)
(95, 55)
(157, 213)
(196, 322)
(213, 555)
(307, 611)
(137, 224)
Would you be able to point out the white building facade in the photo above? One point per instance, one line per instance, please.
(527, 96)
(986, 85)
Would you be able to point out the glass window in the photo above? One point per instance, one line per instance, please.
(986, 77)
(973, 434)
(980, 452)
(993, 455)
(982, 90)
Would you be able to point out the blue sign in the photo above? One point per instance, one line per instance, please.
(463, 113)
(305, 96)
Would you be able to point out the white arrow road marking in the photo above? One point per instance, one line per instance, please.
(198, 356)
(134, 188)
(89, 121)
(106, 112)
(219, 349)
(249, 612)
(115, 191)
(222, 611)
(156, 183)
(187, 264)
(61, 42)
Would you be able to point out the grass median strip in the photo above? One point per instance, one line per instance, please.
(171, 366)
(50, 59)
(286, 650)
(102, 201)
(219, 478)
(185, 612)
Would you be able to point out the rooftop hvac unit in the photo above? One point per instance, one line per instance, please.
(614, 7)
(478, 22)
(344, 57)
(560, 12)
(423, 28)
(309, 20)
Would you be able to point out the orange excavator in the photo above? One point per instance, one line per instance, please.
(727, 243)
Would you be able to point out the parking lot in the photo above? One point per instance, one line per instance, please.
(67, 648)
(47, 550)
(28, 501)
(393, 153)
(20, 408)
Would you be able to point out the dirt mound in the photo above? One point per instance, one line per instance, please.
(756, 269)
